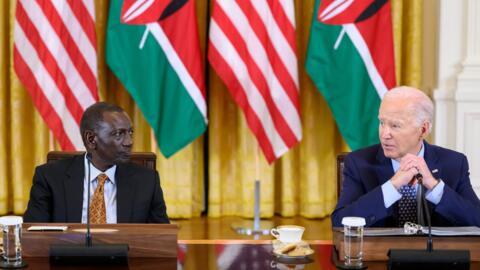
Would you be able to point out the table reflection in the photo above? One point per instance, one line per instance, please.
(249, 256)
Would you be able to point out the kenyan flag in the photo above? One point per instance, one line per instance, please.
(350, 58)
(153, 48)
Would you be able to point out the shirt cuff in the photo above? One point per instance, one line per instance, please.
(435, 195)
(390, 194)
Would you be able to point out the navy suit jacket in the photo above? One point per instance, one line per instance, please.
(57, 193)
(367, 169)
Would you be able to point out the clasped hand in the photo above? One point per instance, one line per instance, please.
(411, 165)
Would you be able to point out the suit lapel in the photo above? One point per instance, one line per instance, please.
(431, 158)
(125, 193)
(74, 190)
(384, 170)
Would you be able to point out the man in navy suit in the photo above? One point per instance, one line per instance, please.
(379, 180)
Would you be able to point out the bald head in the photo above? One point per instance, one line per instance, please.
(415, 101)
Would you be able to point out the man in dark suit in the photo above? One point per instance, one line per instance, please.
(381, 181)
(121, 192)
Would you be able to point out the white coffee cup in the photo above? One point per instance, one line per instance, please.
(288, 233)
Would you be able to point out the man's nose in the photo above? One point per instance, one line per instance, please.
(128, 141)
(385, 133)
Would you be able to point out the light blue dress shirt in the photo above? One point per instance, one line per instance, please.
(392, 195)
(110, 191)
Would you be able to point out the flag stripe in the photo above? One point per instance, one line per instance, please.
(87, 22)
(236, 90)
(255, 74)
(287, 78)
(336, 9)
(259, 56)
(283, 21)
(55, 59)
(289, 9)
(41, 102)
(137, 9)
(49, 62)
(281, 45)
(186, 45)
(90, 6)
(133, 8)
(330, 8)
(253, 55)
(362, 49)
(227, 255)
(48, 37)
(256, 103)
(76, 37)
(381, 51)
(56, 35)
(41, 84)
(179, 68)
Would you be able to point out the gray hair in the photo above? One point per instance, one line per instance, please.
(421, 104)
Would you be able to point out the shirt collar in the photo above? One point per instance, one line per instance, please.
(396, 164)
(94, 172)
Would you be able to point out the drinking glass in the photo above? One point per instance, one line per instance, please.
(12, 235)
(353, 240)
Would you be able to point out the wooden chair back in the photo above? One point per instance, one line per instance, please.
(145, 159)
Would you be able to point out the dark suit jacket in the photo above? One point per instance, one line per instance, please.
(367, 169)
(57, 193)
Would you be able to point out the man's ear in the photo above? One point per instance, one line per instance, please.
(89, 138)
(425, 129)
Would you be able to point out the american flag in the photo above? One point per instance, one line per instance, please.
(55, 57)
(252, 48)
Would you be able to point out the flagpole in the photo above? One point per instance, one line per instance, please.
(153, 142)
(51, 141)
(256, 209)
(257, 227)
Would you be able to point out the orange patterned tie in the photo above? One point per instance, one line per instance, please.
(98, 213)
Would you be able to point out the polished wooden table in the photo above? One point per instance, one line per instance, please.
(375, 247)
(217, 255)
(226, 254)
(157, 247)
(144, 240)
